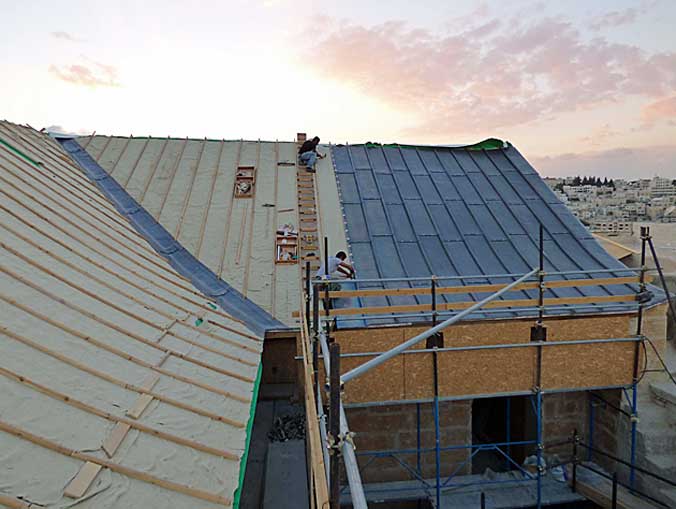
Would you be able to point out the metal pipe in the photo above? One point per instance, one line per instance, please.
(613, 503)
(575, 441)
(349, 458)
(315, 310)
(367, 366)
(662, 280)
(480, 396)
(322, 431)
(508, 427)
(327, 301)
(437, 452)
(493, 445)
(334, 425)
(538, 405)
(433, 289)
(645, 237)
(437, 443)
(591, 425)
(506, 345)
(580, 310)
(417, 429)
(351, 467)
(541, 277)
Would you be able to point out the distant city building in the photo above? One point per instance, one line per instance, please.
(611, 227)
(610, 205)
(661, 187)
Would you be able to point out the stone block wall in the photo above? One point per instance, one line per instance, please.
(563, 413)
(394, 427)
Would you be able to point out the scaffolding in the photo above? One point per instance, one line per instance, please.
(316, 336)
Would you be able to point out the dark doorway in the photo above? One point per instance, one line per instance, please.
(497, 421)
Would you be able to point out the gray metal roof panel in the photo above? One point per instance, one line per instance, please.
(456, 211)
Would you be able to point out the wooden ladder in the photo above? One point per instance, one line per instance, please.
(308, 224)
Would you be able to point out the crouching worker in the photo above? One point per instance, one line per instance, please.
(338, 268)
(308, 154)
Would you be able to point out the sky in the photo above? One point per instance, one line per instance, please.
(580, 87)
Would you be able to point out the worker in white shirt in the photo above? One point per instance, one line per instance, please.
(338, 269)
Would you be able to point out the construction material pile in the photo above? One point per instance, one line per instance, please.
(288, 427)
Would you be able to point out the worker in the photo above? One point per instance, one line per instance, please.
(338, 269)
(308, 154)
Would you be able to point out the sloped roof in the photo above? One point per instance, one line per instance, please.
(187, 185)
(421, 211)
(100, 337)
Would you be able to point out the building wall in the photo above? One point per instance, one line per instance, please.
(394, 427)
(462, 373)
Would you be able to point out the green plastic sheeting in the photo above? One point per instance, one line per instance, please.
(249, 429)
(17, 151)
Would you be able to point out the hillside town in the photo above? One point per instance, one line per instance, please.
(612, 206)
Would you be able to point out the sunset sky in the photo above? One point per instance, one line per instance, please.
(580, 87)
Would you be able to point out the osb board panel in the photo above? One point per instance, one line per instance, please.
(594, 365)
(385, 383)
(418, 376)
(370, 340)
(490, 371)
(498, 332)
(486, 371)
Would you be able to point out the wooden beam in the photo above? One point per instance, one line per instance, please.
(81, 482)
(386, 292)
(450, 306)
(115, 467)
(316, 446)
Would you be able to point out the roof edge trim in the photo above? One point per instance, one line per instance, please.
(20, 153)
(230, 300)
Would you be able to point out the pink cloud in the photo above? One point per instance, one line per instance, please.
(623, 17)
(501, 73)
(663, 109)
(92, 74)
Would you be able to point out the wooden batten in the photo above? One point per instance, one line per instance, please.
(115, 438)
(115, 467)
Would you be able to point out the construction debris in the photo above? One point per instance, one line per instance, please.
(288, 427)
